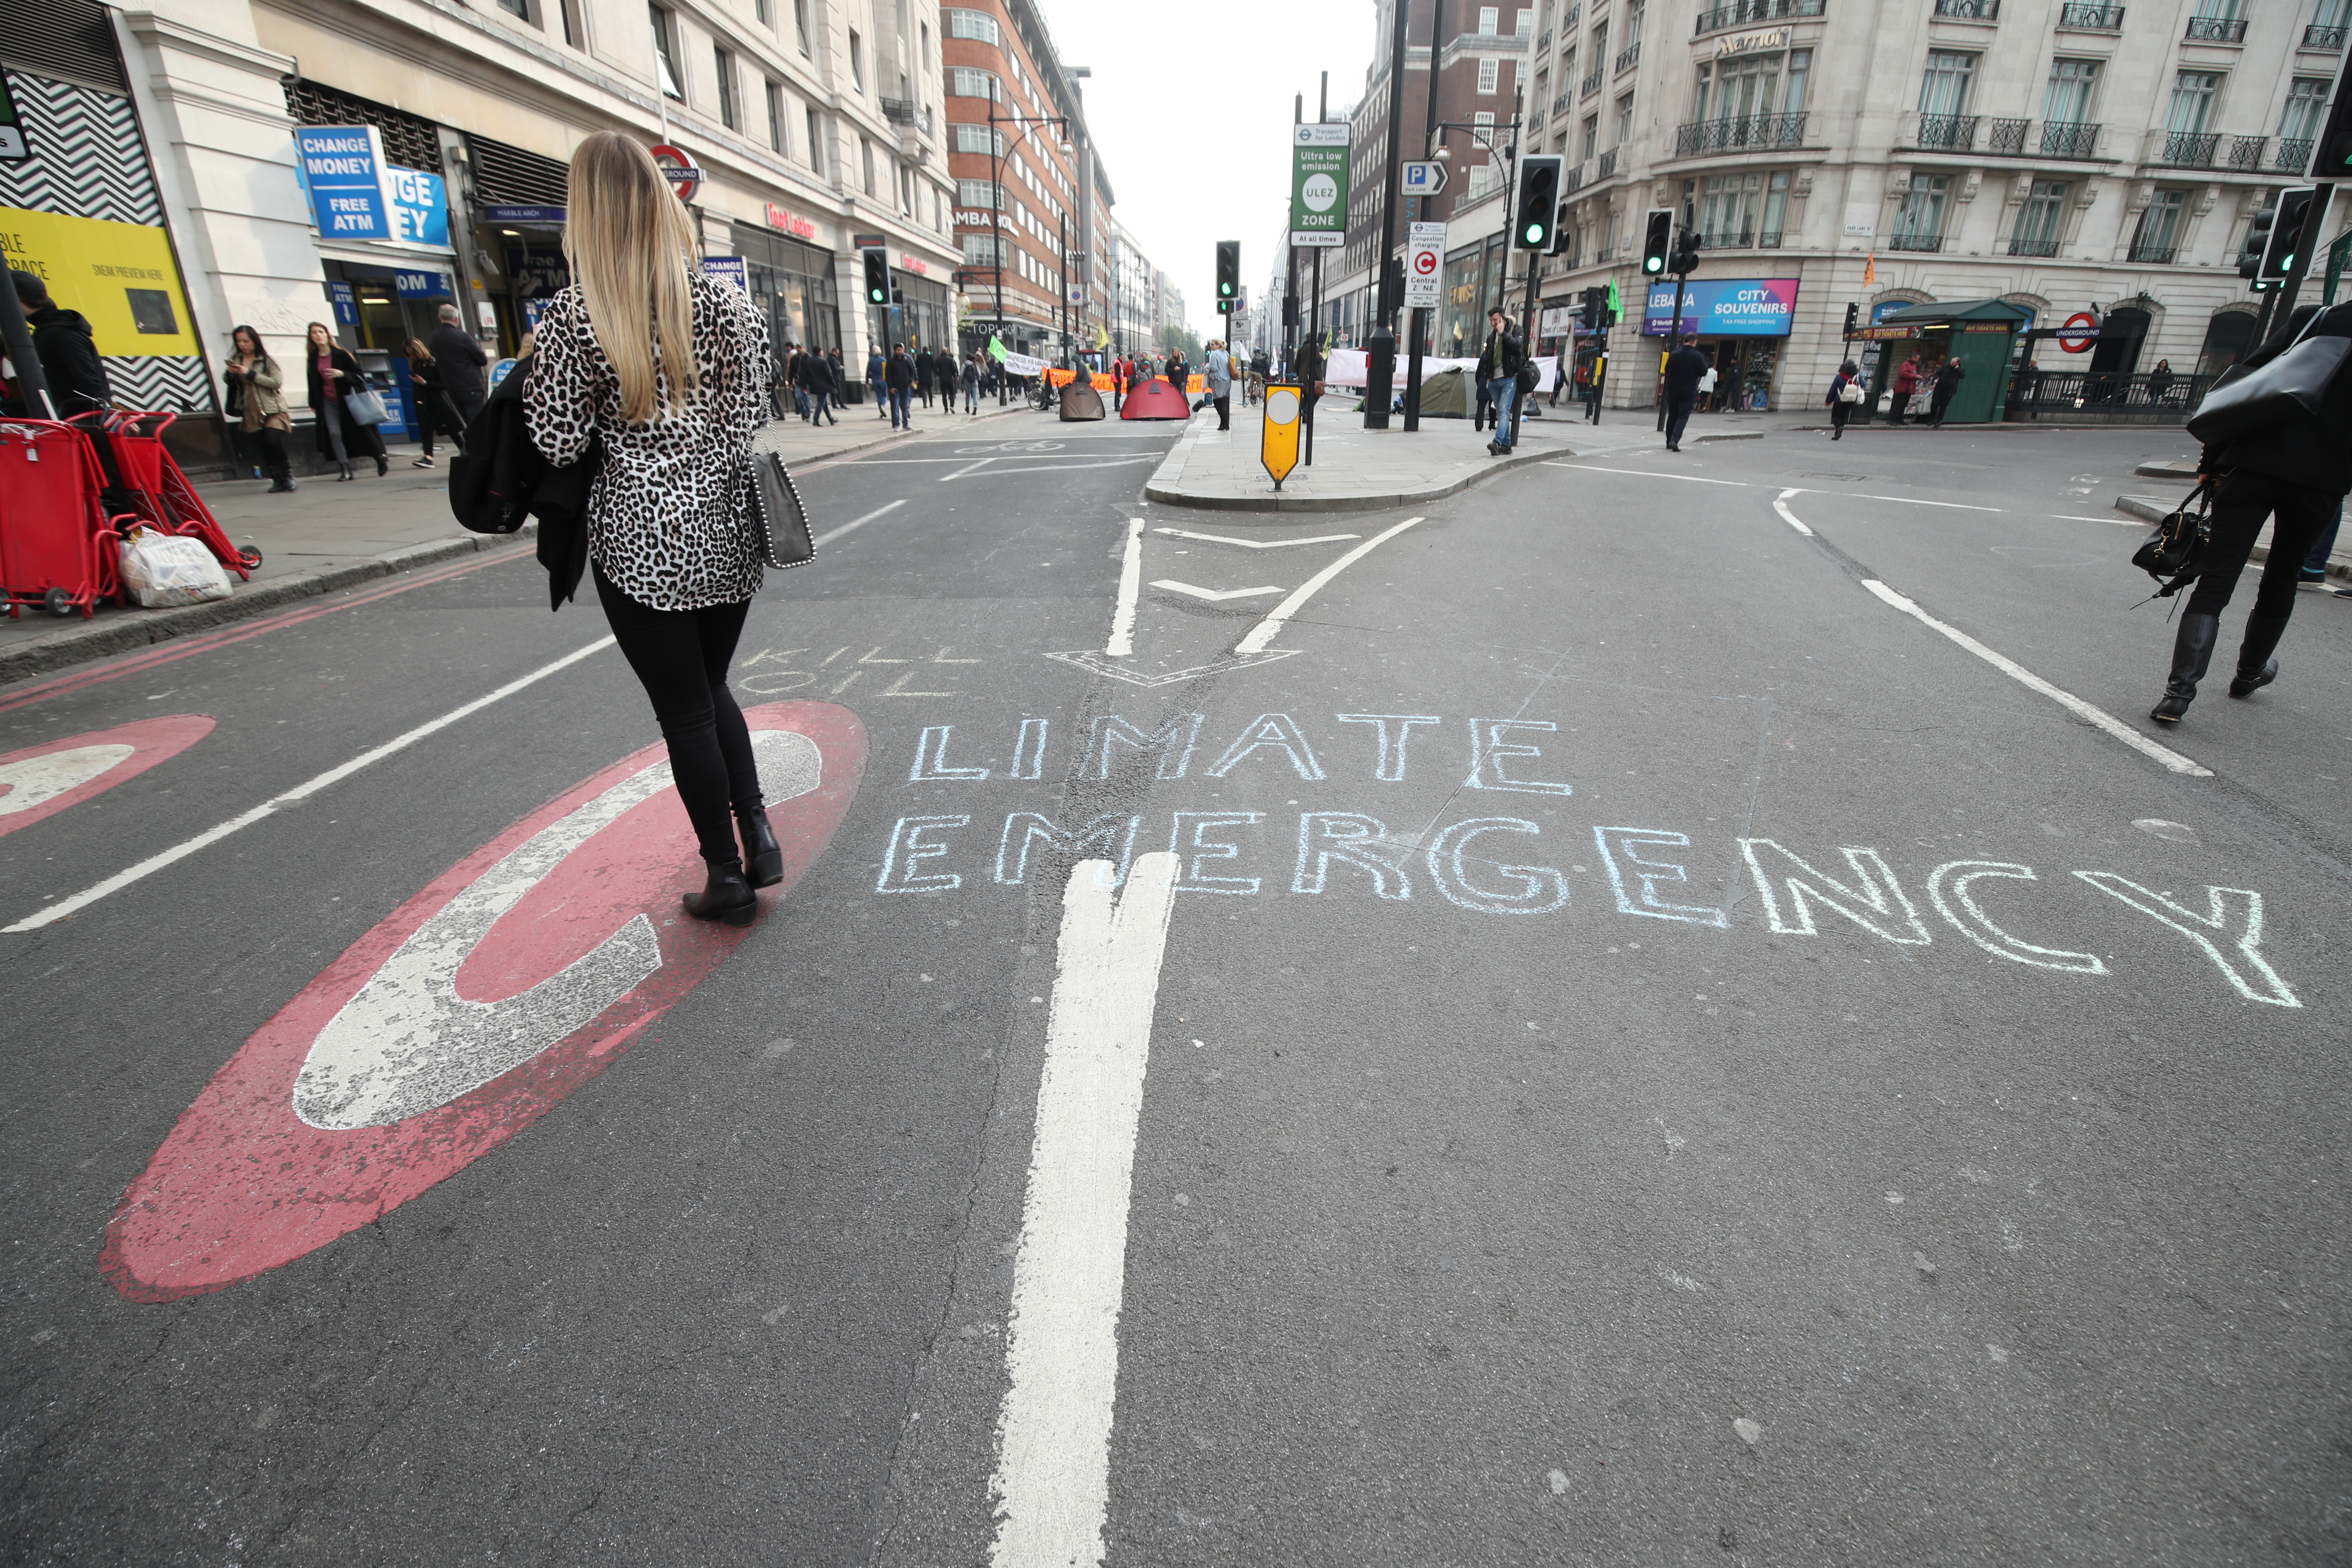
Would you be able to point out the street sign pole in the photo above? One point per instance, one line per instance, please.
(1381, 354)
(1421, 210)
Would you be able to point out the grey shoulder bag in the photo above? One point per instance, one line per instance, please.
(2287, 388)
(777, 512)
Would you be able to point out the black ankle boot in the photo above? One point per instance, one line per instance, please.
(2193, 649)
(2256, 667)
(726, 897)
(763, 861)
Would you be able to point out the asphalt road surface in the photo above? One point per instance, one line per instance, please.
(1604, 1020)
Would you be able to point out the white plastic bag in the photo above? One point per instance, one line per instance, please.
(161, 570)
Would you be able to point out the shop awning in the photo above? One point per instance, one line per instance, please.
(1966, 315)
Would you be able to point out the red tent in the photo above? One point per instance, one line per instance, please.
(1155, 399)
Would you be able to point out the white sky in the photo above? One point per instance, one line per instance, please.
(1190, 105)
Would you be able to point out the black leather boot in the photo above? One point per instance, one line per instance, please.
(2193, 649)
(726, 897)
(2256, 667)
(763, 862)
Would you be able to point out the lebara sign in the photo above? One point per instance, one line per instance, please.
(1725, 306)
(356, 194)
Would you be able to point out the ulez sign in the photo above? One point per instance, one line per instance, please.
(1318, 185)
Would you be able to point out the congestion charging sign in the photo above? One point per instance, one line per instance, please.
(1424, 258)
(1318, 185)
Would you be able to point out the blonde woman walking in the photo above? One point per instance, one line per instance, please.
(668, 371)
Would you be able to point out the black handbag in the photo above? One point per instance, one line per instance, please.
(2176, 549)
(776, 510)
(2286, 388)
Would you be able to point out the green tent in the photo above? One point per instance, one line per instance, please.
(1979, 333)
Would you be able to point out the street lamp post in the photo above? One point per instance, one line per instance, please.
(996, 201)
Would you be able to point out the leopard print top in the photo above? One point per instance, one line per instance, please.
(668, 518)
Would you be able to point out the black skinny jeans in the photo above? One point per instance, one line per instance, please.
(680, 658)
(2240, 504)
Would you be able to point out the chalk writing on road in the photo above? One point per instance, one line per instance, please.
(822, 672)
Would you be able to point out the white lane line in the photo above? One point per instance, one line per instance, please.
(1052, 1486)
(967, 468)
(829, 535)
(1130, 585)
(2024, 676)
(1065, 468)
(1258, 543)
(1901, 501)
(1644, 473)
(1780, 505)
(1212, 594)
(294, 796)
(2119, 522)
(1264, 632)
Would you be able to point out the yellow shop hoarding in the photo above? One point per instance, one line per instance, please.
(120, 275)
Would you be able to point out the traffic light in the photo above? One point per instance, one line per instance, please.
(1538, 200)
(2258, 240)
(1562, 237)
(1224, 307)
(1595, 300)
(877, 277)
(1658, 241)
(1685, 256)
(1852, 316)
(2286, 232)
(2332, 160)
(1229, 273)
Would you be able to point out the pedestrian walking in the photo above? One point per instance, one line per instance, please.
(1499, 364)
(66, 348)
(2159, 381)
(817, 374)
(1180, 373)
(332, 377)
(923, 376)
(1684, 366)
(1590, 379)
(899, 376)
(666, 369)
(1845, 392)
(1948, 376)
(431, 399)
(1219, 374)
(972, 383)
(2314, 565)
(461, 360)
(839, 375)
(944, 371)
(874, 380)
(2293, 473)
(1906, 382)
(256, 402)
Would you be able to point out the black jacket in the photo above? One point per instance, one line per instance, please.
(500, 479)
(899, 374)
(69, 361)
(1683, 367)
(1502, 354)
(816, 374)
(923, 368)
(461, 360)
(2313, 451)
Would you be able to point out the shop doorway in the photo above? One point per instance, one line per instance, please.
(1743, 373)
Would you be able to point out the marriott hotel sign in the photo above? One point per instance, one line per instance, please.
(1749, 43)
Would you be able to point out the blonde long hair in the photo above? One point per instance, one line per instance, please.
(628, 239)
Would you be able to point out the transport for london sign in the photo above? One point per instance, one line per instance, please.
(1318, 185)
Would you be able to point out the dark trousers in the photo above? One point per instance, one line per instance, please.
(1902, 405)
(680, 658)
(821, 407)
(1679, 413)
(266, 446)
(1225, 406)
(2244, 500)
(1839, 414)
(902, 410)
(1943, 402)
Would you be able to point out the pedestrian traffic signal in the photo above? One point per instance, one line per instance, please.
(1658, 241)
(2258, 240)
(1853, 317)
(2333, 159)
(1229, 273)
(1224, 307)
(1595, 300)
(1562, 237)
(1538, 200)
(2286, 232)
(877, 277)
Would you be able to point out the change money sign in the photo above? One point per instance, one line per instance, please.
(1318, 185)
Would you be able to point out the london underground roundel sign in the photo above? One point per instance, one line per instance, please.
(465, 1015)
(678, 168)
(2079, 332)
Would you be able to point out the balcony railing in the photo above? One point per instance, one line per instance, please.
(1590, 86)
(2099, 19)
(1740, 239)
(2162, 255)
(1573, 181)
(1954, 131)
(1560, 104)
(2070, 138)
(2216, 30)
(2246, 151)
(1608, 164)
(904, 112)
(2034, 247)
(1969, 10)
(2318, 37)
(2293, 157)
(2190, 149)
(2007, 138)
(1915, 242)
(1630, 58)
(1740, 12)
(1535, 118)
(1543, 42)
(1758, 131)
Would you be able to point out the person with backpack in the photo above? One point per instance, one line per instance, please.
(1499, 364)
(667, 369)
(2293, 471)
(972, 383)
(1845, 395)
(433, 409)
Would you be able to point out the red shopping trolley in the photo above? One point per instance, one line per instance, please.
(58, 545)
(156, 492)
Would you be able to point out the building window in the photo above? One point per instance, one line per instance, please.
(575, 32)
(1489, 16)
(730, 115)
(673, 83)
(2192, 101)
(2037, 222)
(857, 64)
(1944, 86)
(1490, 73)
(1752, 86)
(1742, 210)
(776, 138)
(982, 194)
(1624, 118)
(976, 26)
(760, 9)
(1524, 23)
(816, 143)
(2306, 96)
(1591, 135)
(2159, 235)
(980, 139)
(983, 250)
(800, 23)
(2067, 99)
(906, 190)
(865, 164)
(965, 82)
(1481, 180)
(520, 8)
(1919, 221)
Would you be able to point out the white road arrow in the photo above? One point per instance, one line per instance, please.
(1258, 543)
(1086, 659)
(1211, 593)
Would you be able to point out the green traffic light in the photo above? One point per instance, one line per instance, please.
(1534, 234)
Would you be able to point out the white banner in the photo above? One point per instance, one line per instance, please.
(1021, 364)
(1347, 367)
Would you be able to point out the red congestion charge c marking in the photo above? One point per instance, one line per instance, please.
(41, 781)
(463, 1016)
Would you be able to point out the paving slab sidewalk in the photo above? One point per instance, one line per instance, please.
(328, 536)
